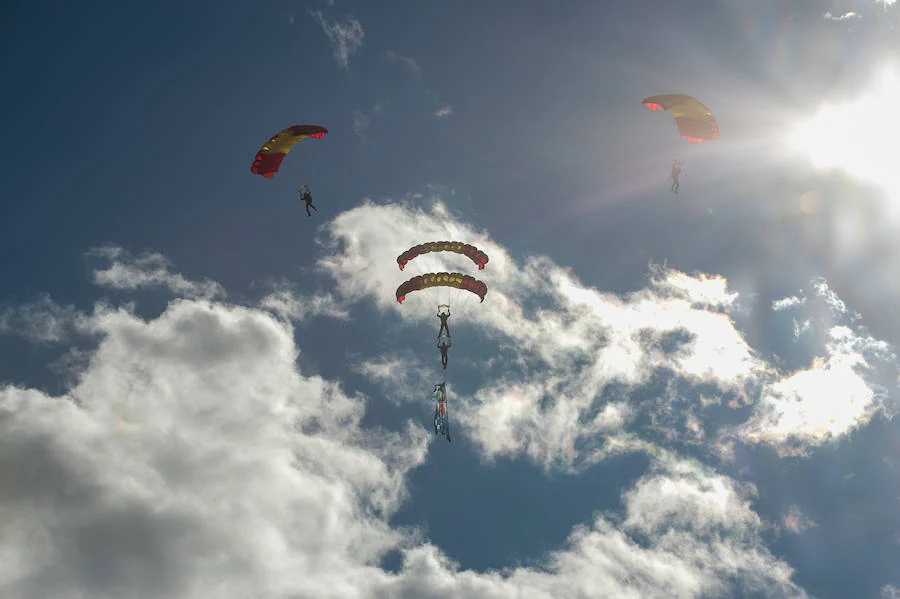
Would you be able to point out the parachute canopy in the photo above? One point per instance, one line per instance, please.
(445, 279)
(695, 122)
(268, 159)
(474, 254)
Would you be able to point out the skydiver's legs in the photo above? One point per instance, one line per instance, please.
(444, 359)
(308, 213)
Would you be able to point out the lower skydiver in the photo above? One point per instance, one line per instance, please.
(441, 421)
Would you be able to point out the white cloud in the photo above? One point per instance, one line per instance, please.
(787, 303)
(41, 321)
(345, 37)
(193, 460)
(570, 341)
(298, 307)
(828, 400)
(843, 17)
(444, 111)
(149, 270)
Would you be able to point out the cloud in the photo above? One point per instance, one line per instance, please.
(843, 17)
(41, 321)
(192, 459)
(412, 63)
(566, 346)
(149, 270)
(795, 521)
(298, 307)
(345, 37)
(821, 403)
(444, 111)
(360, 123)
(788, 303)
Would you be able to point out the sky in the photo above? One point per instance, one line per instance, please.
(204, 392)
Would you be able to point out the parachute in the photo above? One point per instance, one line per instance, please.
(473, 253)
(268, 159)
(695, 122)
(442, 279)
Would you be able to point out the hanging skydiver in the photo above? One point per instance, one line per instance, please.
(307, 197)
(444, 344)
(443, 313)
(676, 170)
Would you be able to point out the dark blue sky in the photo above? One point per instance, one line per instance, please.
(133, 125)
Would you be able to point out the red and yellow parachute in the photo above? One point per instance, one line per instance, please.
(268, 159)
(695, 122)
(442, 279)
(474, 254)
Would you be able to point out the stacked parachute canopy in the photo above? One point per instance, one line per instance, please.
(472, 252)
(268, 159)
(447, 279)
(695, 122)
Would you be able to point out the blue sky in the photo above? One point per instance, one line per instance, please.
(203, 392)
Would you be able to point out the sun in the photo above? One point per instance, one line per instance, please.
(861, 138)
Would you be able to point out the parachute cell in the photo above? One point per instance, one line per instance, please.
(268, 159)
(445, 279)
(695, 121)
(472, 252)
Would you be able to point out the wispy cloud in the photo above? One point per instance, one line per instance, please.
(361, 123)
(795, 521)
(410, 62)
(445, 111)
(41, 320)
(149, 270)
(346, 37)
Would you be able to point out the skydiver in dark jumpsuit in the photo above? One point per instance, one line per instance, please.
(444, 316)
(307, 197)
(444, 344)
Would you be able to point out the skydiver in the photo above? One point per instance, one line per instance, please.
(443, 315)
(444, 344)
(676, 170)
(307, 197)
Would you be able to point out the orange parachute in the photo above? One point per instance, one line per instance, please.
(442, 279)
(474, 254)
(695, 122)
(268, 159)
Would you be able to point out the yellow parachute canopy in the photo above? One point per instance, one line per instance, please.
(695, 122)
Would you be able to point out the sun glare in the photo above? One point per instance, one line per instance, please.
(860, 138)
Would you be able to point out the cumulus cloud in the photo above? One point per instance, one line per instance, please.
(149, 270)
(192, 459)
(345, 37)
